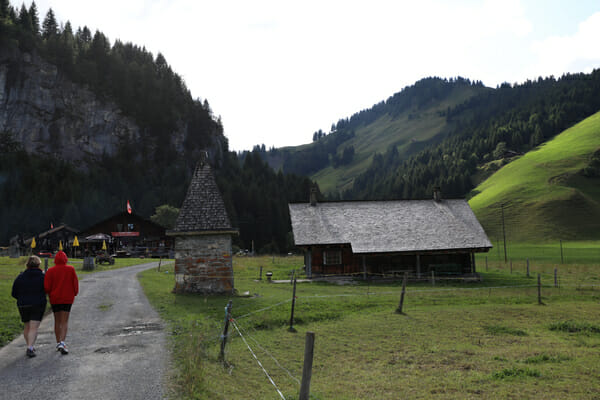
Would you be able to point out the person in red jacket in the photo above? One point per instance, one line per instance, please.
(62, 286)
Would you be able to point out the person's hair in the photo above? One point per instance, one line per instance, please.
(33, 262)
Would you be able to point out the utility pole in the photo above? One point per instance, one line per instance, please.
(504, 235)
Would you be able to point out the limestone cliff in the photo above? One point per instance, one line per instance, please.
(47, 113)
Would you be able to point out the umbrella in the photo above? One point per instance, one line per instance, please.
(76, 245)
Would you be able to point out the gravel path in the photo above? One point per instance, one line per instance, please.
(116, 341)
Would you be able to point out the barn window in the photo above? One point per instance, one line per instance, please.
(332, 257)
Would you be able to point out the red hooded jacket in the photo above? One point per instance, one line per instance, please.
(61, 281)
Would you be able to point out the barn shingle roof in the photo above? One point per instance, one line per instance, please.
(389, 226)
(203, 208)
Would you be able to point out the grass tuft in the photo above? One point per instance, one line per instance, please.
(514, 372)
(574, 327)
(544, 358)
(504, 330)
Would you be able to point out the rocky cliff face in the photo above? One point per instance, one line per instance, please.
(49, 114)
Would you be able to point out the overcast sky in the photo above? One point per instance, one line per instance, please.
(277, 71)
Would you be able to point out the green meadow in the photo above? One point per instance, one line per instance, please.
(545, 194)
(454, 340)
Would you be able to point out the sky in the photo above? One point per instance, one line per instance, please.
(277, 71)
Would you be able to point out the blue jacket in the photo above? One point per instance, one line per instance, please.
(28, 288)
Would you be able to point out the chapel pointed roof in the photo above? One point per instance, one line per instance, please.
(203, 208)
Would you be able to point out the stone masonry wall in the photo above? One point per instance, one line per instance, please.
(203, 264)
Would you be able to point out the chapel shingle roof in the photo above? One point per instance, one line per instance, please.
(389, 226)
(203, 208)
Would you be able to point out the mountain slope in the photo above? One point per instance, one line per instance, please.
(408, 121)
(552, 192)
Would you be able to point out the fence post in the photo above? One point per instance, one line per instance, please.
(528, 267)
(291, 328)
(486, 264)
(539, 289)
(511, 266)
(555, 277)
(225, 329)
(260, 274)
(433, 278)
(562, 261)
(159, 262)
(399, 309)
(307, 368)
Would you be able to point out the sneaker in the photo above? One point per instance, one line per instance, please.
(63, 348)
(30, 353)
(59, 345)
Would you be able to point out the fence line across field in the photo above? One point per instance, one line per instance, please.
(257, 360)
(269, 354)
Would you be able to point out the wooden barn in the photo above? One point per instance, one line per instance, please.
(387, 238)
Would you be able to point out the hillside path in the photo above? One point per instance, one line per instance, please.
(116, 341)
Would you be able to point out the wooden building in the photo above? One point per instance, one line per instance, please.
(384, 238)
(50, 240)
(129, 234)
(203, 237)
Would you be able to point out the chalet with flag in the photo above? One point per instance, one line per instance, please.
(127, 234)
(387, 238)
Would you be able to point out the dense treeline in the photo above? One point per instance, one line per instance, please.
(254, 194)
(36, 191)
(511, 117)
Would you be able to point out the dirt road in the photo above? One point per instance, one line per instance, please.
(116, 343)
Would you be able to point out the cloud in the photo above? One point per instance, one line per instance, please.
(579, 52)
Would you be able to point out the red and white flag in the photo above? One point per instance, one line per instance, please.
(128, 207)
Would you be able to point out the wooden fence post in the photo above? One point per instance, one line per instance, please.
(539, 289)
(433, 278)
(225, 329)
(486, 264)
(511, 266)
(399, 309)
(307, 368)
(528, 267)
(562, 260)
(260, 274)
(555, 277)
(291, 328)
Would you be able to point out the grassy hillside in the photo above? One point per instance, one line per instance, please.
(409, 131)
(550, 193)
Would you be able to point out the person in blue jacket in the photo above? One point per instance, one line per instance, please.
(28, 289)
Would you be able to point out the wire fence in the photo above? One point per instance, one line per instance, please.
(549, 287)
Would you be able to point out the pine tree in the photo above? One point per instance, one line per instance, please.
(49, 26)
(35, 19)
(4, 8)
(25, 19)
